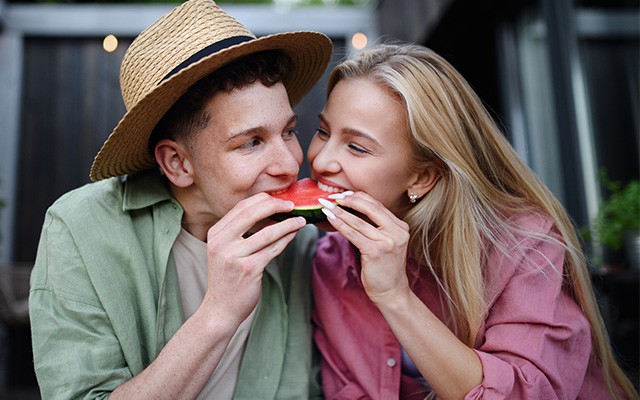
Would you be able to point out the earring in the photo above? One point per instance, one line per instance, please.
(413, 197)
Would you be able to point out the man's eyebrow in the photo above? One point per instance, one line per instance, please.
(258, 129)
(351, 131)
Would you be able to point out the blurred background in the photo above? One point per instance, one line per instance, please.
(560, 76)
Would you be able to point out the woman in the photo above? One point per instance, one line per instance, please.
(454, 271)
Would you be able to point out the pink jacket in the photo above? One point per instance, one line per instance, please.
(534, 344)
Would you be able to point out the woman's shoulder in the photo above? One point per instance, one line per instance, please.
(526, 231)
(533, 245)
(535, 222)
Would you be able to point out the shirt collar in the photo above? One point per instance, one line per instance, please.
(144, 190)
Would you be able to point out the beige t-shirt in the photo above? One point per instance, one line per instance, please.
(190, 255)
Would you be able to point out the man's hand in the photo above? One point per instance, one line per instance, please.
(236, 261)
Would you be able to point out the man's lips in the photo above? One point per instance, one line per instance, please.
(280, 190)
(277, 191)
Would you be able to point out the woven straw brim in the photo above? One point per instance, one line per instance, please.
(125, 151)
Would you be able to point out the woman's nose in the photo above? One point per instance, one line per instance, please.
(323, 157)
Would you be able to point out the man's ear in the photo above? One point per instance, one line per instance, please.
(424, 181)
(171, 157)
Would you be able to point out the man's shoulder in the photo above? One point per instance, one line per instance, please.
(101, 196)
(112, 197)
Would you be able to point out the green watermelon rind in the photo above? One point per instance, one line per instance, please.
(311, 215)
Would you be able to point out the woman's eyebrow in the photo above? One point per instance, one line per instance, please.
(351, 131)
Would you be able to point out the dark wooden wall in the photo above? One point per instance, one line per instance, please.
(70, 103)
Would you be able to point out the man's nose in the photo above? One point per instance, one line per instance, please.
(286, 159)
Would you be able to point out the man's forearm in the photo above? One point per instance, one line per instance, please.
(185, 364)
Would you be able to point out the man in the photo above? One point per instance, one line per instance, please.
(167, 279)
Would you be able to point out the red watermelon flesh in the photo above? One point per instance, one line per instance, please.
(304, 194)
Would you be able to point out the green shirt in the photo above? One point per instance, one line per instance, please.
(105, 300)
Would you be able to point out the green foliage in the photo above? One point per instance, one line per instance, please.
(619, 213)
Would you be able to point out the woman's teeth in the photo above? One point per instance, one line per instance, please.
(329, 189)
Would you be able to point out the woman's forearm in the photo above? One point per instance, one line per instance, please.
(450, 367)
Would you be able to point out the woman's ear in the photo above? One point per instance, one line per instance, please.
(171, 157)
(423, 183)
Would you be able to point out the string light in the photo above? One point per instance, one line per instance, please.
(110, 43)
(359, 40)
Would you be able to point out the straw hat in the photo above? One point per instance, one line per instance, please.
(176, 51)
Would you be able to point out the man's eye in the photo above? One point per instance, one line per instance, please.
(322, 133)
(250, 144)
(289, 133)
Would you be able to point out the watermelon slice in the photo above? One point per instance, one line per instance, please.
(304, 194)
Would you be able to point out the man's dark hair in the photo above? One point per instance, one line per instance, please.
(188, 114)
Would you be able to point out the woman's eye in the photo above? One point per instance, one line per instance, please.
(358, 149)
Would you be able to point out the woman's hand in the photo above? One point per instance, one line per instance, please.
(382, 239)
(451, 368)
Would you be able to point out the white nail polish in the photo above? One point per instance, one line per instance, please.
(327, 204)
(328, 213)
(341, 195)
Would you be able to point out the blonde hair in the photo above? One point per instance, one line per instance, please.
(482, 180)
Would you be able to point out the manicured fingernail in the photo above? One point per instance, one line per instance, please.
(340, 195)
(290, 203)
(327, 204)
(328, 213)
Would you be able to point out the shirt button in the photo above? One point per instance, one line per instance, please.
(391, 362)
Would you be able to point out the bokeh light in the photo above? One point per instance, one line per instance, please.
(110, 43)
(359, 40)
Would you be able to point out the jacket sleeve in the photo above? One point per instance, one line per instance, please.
(535, 343)
(76, 352)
